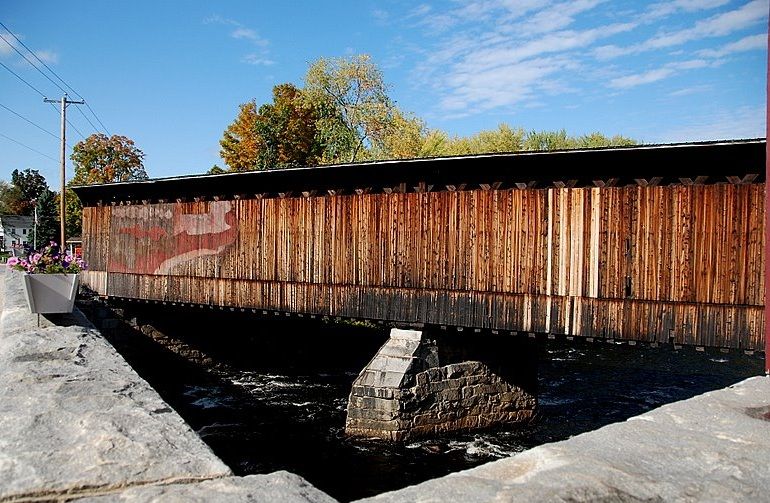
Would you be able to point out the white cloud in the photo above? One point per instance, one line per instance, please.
(687, 91)
(380, 15)
(664, 9)
(241, 32)
(657, 74)
(48, 57)
(718, 25)
(720, 124)
(749, 43)
(641, 78)
(7, 44)
(257, 59)
(558, 16)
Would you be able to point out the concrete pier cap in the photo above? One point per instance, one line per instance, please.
(422, 383)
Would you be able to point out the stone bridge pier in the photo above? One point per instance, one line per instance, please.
(424, 382)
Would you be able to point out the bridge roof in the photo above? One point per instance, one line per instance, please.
(702, 162)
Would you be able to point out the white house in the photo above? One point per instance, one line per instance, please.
(15, 233)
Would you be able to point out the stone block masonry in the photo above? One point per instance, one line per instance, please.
(77, 422)
(404, 393)
(714, 447)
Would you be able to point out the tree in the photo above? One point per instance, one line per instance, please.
(359, 113)
(240, 143)
(215, 170)
(403, 139)
(597, 139)
(29, 185)
(99, 159)
(281, 134)
(287, 130)
(47, 228)
(73, 213)
(10, 198)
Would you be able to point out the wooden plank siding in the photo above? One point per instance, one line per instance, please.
(655, 263)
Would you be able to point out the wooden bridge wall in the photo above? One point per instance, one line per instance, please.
(641, 263)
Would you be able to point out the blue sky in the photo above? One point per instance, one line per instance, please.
(171, 74)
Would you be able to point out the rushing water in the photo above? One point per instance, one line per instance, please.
(269, 402)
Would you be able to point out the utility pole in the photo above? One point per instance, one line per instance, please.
(64, 102)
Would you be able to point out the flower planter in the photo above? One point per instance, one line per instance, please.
(51, 293)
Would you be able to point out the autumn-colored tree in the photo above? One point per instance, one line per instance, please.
(363, 113)
(99, 159)
(281, 134)
(344, 114)
(10, 198)
(240, 143)
(287, 130)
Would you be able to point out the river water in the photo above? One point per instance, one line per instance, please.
(268, 401)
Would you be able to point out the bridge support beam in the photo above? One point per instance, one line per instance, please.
(405, 393)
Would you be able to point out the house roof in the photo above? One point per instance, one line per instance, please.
(706, 162)
(18, 221)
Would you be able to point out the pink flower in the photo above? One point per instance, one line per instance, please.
(12, 261)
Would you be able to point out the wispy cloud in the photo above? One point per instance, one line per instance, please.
(750, 43)
(7, 44)
(718, 124)
(687, 91)
(244, 33)
(381, 15)
(718, 25)
(664, 9)
(257, 59)
(641, 78)
(49, 57)
(513, 63)
(657, 74)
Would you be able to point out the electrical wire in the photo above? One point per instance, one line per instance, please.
(28, 147)
(21, 79)
(33, 64)
(61, 80)
(41, 128)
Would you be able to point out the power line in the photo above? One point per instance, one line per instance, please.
(18, 77)
(33, 64)
(41, 94)
(28, 147)
(60, 79)
(41, 128)
(86, 118)
(68, 121)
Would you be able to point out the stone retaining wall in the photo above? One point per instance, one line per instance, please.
(403, 394)
(76, 422)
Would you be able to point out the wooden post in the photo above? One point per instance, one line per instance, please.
(767, 217)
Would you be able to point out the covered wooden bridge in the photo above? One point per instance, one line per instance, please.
(652, 243)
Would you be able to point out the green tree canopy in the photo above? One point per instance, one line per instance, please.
(29, 185)
(99, 159)
(362, 114)
(47, 228)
